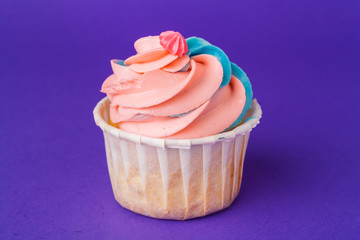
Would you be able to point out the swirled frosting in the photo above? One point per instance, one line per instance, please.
(177, 88)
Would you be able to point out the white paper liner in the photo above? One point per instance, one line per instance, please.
(175, 179)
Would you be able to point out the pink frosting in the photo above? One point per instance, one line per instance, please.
(162, 95)
(174, 42)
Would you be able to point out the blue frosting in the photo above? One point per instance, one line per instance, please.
(249, 119)
(199, 46)
(121, 62)
(241, 75)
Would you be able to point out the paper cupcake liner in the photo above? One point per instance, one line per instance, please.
(175, 179)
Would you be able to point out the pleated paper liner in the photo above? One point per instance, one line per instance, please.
(175, 179)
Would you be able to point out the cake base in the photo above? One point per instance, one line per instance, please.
(175, 179)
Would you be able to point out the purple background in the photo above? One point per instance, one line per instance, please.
(301, 176)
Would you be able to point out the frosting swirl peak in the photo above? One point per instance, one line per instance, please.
(174, 42)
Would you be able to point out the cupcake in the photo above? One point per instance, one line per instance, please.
(176, 123)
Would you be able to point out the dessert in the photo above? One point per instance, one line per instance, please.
(176, 122)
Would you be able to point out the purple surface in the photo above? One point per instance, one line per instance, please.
(301, 176)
